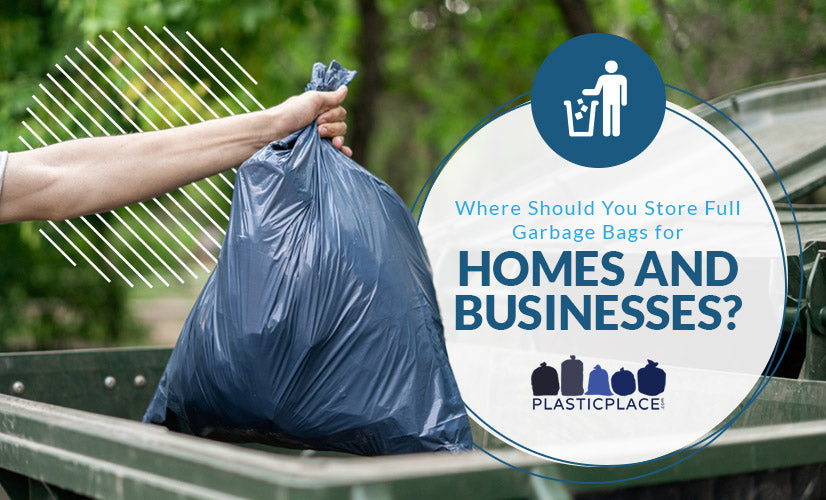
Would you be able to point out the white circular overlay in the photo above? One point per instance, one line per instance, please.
(674, 257)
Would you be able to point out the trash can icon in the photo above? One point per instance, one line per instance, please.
(576, 117)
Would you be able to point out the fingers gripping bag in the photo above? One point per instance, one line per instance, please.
(319, 326)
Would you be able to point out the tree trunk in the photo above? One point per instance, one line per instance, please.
(363, 103)
(577, 17)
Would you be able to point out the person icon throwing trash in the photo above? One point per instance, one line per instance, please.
(614, 89)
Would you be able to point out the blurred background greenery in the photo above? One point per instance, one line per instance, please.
(429, 70)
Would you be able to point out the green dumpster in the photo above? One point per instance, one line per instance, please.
(78, 434)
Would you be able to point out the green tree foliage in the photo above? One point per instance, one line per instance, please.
(429, 71)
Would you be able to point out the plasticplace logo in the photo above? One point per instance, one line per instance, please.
(622, 391)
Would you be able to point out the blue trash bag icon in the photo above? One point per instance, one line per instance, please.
(598, 383)
(623, 383)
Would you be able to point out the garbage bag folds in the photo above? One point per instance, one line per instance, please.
(319, 326)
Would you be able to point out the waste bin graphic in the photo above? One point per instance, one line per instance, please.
(576, 117)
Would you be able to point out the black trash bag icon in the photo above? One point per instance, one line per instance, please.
(545, 381)
(623, 383)
(651, 379)
(572, 377)
(598, 383)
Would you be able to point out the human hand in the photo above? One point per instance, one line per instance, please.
(299, 111)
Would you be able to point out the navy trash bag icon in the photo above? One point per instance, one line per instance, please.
(651, 379)
(623, 383)
(598, 383)
(545, 381)
(572, 377)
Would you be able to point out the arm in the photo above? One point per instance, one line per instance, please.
(594, 91)
(624, 92)
(97, 174)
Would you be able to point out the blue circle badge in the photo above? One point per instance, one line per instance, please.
(598, 100)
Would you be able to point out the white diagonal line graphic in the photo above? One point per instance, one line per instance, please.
(78, 250)
(63, 108)
(29, 110)
(160, 241)
(73, 136)
(120, 256)
(138, 255)
(170, 233)
(149, 230)
(198, 225)
(153, 107)
(98, 234)
(175, 92)
(208, 72)
(100, 254)
(50, 240)
(138, 128)
(151, 87)
(123, 132)
(134, 89)
(238, 66)
(95, 104)
(106, 96)
(200, 209)
(211, 202)
(186, 68)
(191, 91)
(50, 77)
(157, 76)
(68, 240)
(118, 90)
(53, 116)
(177, 77)
(129, 264)
(192, 74)
(198, 188)
(224, 70)
(140, 76)
(138, 95)
(33, 132)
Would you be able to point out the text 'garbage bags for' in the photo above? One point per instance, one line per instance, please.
(319, 326)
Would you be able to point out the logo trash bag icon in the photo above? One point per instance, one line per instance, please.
(651, 379)
(545, 381)
(623, 383)
(572, 377)
(598, 383)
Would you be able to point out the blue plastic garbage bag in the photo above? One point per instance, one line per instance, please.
(319, 326)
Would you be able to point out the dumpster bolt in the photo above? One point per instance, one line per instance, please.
(140, 381)
(109, 382)
(17, 387)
